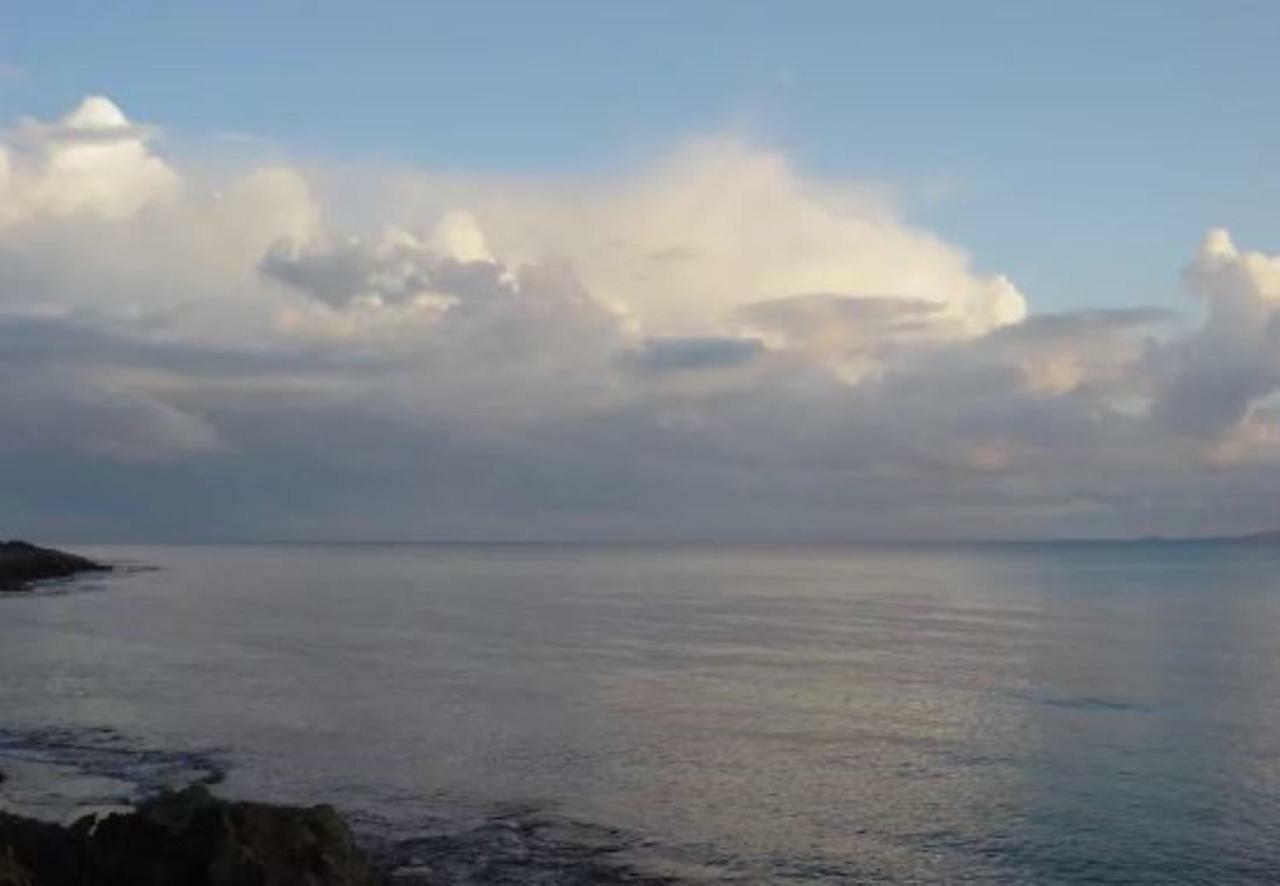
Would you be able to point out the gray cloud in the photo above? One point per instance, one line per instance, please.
(673, 354)
(391, 272)
(1083, 324)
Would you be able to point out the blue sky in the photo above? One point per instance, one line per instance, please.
(639, 270)
(1080, 147)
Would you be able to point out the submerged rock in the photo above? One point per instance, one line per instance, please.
(22, 563)
(188, 837)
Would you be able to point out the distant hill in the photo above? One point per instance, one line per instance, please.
(1269, 535)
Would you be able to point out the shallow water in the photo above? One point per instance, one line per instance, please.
(1037, 713)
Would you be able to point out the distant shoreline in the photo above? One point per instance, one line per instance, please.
(1262, 537)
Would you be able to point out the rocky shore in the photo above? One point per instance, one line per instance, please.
(22, 564)
(188, 837)
(191, 838)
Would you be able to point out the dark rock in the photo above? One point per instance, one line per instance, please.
(22, 563)
(13, 872)
(39, 853)
(188, 837)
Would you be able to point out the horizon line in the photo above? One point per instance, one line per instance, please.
(726, 541)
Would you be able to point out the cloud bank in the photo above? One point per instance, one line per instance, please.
(718, 345)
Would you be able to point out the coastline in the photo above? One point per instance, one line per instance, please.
(61, 787)
(22, 565)
(193, 837)
(190, 837)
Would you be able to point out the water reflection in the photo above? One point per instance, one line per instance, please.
(1054, 713)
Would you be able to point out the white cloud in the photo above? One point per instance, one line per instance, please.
(1234, 360)
(721, 224)
(92, 160)
(717, 343)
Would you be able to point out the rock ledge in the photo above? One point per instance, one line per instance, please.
(22, 563)
(188, 837)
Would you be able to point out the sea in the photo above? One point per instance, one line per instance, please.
(978, 713)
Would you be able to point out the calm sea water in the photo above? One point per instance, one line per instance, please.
(1055, 713)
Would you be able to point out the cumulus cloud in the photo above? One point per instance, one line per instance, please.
(1218, 374)
(93, 160)
(716, 344)
(722, 224)
(452, 261)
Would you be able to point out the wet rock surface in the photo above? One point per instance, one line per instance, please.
(22, 564)
(187, 837)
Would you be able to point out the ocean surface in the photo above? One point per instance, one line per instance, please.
(1066, 713)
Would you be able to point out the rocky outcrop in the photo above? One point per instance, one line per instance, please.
(22, 563)
(191, 838)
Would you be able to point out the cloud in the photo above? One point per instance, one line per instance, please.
(1233, 362)
(715, 344)
(99, 420)
(671, 354)
(92, 160)
(851, 333)
(720, 225)
(399, 268)
(57, 398)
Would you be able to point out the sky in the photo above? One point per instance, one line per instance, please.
(638, 271)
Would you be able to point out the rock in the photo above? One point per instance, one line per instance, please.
(12, 871)
(22, 563)
(188, 837)
(38, 853)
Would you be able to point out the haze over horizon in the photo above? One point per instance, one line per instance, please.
(606, 272)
